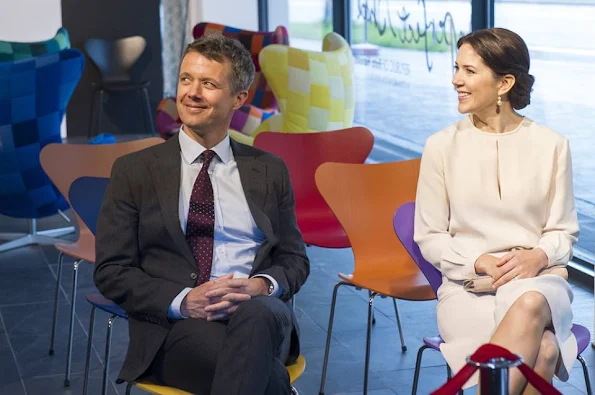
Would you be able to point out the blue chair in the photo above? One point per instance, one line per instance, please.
(403, 224)
(14, 50)
(85, 195)
(34, 94)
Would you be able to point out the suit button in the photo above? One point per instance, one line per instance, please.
(193, 276)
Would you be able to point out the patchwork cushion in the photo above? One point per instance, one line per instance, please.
(34, 94)
(167, 121)
(314, 90)
(248, 117)
(10, 51)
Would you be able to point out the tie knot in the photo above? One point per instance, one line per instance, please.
(207, 157)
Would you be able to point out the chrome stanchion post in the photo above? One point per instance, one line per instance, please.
(493, 374)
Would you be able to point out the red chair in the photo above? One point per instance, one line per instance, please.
(303, 153)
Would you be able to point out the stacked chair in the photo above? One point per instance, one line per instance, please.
(364, 198)
(260, 104)
(64, 163)
(34, 94)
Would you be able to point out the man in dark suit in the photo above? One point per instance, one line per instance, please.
(197, 240)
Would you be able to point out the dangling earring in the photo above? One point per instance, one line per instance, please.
(498, 104)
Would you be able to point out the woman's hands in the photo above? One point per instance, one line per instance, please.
(515, 264)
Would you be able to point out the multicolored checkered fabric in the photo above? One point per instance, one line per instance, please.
(10, 51)
(34, 94)
(259, 94)
(314, 89)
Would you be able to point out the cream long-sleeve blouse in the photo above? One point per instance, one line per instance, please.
(481, 192)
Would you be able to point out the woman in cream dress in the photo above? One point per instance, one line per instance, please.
(495, 198)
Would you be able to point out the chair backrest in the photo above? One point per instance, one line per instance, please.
(64, 163)
(259, 94)
(403, 223)
(314, 89)
(13, 50)
(303, 153)
(114, 59)
(34, 94)
(364, 198)
(85, 196)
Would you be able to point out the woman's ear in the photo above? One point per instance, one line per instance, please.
(506, 84)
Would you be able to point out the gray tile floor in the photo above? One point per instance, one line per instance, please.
(27, 278)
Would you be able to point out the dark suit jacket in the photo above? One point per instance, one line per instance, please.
(143, 259)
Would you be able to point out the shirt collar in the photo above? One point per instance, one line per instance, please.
(191, 149)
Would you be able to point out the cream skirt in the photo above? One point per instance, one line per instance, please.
(467, 320)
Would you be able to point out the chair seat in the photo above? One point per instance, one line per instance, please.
(295, 371)
(106, 305)
(433, 342)
(160, 389)
(123, 86)
(412, 286)
(583, 337)
(83, 248)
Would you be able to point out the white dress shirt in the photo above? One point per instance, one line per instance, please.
(236, 235)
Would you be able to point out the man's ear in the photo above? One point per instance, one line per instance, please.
(240, 98)
(506, 84)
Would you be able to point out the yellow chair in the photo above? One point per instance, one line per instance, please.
(314, 90)
(295, 371)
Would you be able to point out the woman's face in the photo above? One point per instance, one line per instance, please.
(475, 83)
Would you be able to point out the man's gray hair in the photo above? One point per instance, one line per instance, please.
(220, 48)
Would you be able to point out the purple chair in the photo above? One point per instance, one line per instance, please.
(403, 224)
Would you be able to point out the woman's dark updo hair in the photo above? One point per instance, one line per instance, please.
(504, 52)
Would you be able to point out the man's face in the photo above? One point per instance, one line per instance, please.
(205, 100)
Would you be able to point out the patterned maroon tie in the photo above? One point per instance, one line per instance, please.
(200, 227)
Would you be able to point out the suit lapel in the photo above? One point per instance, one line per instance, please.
(253, 175)
(166, 176)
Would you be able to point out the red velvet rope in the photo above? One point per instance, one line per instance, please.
(484, 354)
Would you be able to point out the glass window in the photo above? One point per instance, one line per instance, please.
(404, 53)
(309, 22)
(560, 39)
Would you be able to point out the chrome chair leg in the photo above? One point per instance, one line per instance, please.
(373, 314)
(108, 351)
(586, 374)
(71, 331)
(329, 335)
(418, 368)
(56, 299)
(89, 350)
(368, 341)
(403, 346)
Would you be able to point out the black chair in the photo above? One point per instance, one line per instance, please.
(114, 59)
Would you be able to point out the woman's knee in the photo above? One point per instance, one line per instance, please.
(549, 350)
(532, 304)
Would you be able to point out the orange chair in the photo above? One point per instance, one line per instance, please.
(64, 163)
(364, 198)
